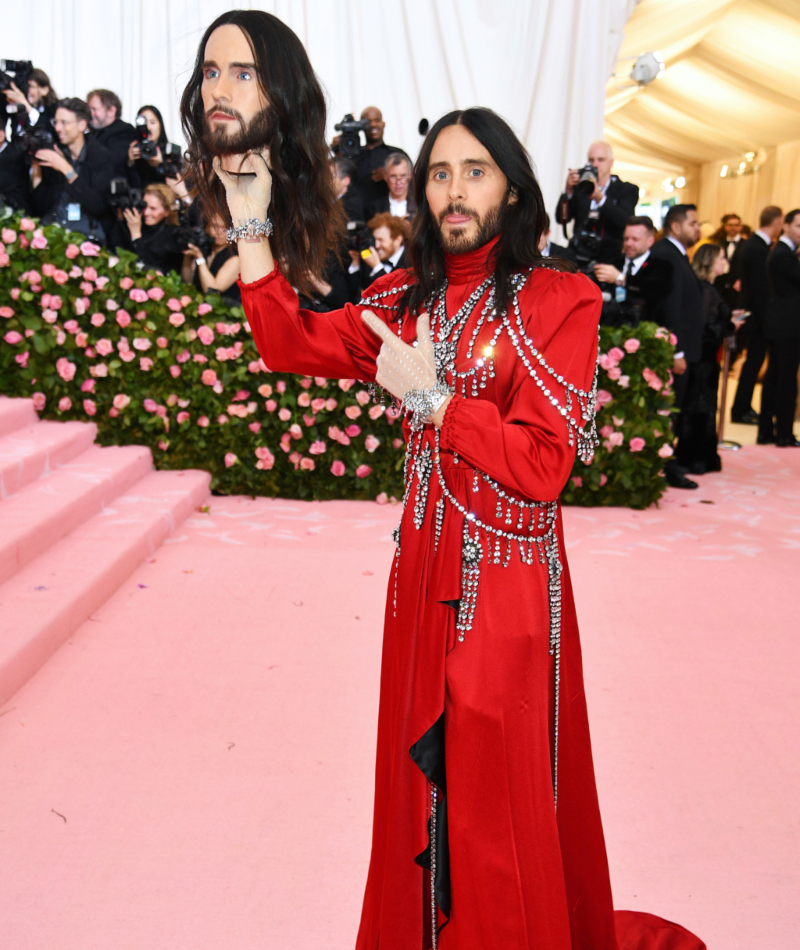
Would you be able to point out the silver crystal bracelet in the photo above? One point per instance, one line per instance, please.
(423, 403)
(251, 228)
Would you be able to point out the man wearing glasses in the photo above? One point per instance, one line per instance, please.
(399, 202)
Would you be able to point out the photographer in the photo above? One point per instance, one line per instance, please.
(217, 269)
(344, 174)
(146, 152)
(109, 129)
(71, 181)
(14, 177)
(36, 106)
(600, 205)
(643, 281)
(151, 231)
(370, 161)
(390, 235)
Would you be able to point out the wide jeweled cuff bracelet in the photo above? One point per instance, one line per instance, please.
(423, 403)
(251, 228)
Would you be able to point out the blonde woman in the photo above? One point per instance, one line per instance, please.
(152, 230)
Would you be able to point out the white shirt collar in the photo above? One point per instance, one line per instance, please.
(789, 242)
(396, 256)
(636, 262)
(764, 236)
(677, 244)
(398, 208)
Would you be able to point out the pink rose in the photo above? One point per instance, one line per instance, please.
(183, 356)
(353, 431)
(265, 460)
(577, 481)
(616, 354)
(100, 282)
(254, 366)
(75, 271)
(121, 401)
(6, 312)
(97, 319)
(175, 371)
(203, 422)
(230, 459)
(145, 364)
(270, 405)
(376, 412)
(362, 397)
(72, 251)
(89, 407)
(113, 412)
(606, 431)
(665, 451)
(606, 362)
(177, 319)
(39, 400)
(382, 499)
(280, 386)
(205, 335)
(352, 412)
(89, 273)
(346, 384)
(71, 326)
(637, 444)
(8, 236)
(162, 342)
(317, 448)
(174, 304)
(204, 308)
(64, 404)
(15, 292)
(295, 431)
(65, 369)
(305, 383)
(362, 471)
(61, 277)
(616, 438)
(331, 404)
(371, 443)
(5, 260)
(150, 405)
(104, 347)
(39, 242)
(27, 225)
(48, 269)
(208, 377)
(88, 249)
(55, 302)
(321, 381)
(285, 415)
(603, 480)
(624, 381)
(141, 343)
(397, 443)
(156, 293)
(304, 399)
(254, 426)
(22, 358)
(101, 370)
(185, 300)
(632, 345)
(614, 373)
(87, 386)
(137, 295)
(604, 397)
(673, 339)
(338, 468)
(317, 405)
(307, 464)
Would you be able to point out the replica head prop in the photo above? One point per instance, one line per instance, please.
(473, 182)
(253, 88)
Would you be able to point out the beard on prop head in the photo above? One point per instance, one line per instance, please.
(229, 138)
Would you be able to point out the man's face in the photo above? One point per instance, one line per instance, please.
(376, 124)
(69, 128)
(637, 240)
(466, 191)
(600, 157)
(385, 244)
(101, 115)
(340, 183)
(733, 226)
(236, 109)
(793, 230)
(688, 230)
(398, 177)
(36, 92)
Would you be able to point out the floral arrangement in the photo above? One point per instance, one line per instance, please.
(152, 361)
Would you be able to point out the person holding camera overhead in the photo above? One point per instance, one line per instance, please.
(214, 270)
(14, 174)
(71, 180)
(152, 230)
(146, 152)
(600, 205)
(36, 106)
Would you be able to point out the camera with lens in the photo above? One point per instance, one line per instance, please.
(172, 160)
(15, 71)
(587, 181)
(349, 137)
(187, 233)
(359, 236)
(585, 246)
(147, 147)
(125, 198)
(35, 139)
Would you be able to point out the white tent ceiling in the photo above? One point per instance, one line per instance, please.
(730, 87)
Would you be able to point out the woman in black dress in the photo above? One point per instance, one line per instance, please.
(152, 233)
(697, 425)
(217, 271)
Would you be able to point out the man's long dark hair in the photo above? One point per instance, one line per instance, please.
(308, 219)
(522, 223)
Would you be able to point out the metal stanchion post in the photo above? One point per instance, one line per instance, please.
(728, 347)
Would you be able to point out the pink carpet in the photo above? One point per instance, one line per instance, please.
(193, 769)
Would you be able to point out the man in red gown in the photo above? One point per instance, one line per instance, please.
(487, 832)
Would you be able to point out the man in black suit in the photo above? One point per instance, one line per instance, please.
(643, 282)
(109, 129)
(390, 236)
(681, 311)
(752, 256)
(600, 215)
(71, 181)
(729, 236)
(370, 175)
(14, 177)
(550, 248)
(782, 329)
(399, 200)
(344, 173)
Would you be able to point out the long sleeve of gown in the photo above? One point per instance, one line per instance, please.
(523, 441)
(290, 340)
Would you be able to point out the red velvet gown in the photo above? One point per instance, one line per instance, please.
(514, 871)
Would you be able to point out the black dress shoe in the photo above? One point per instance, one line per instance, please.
(791, 443)
(765, 440)
(749, 418)
(696, 468)
(674, 480)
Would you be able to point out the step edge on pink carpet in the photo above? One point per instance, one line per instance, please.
(16, 414)
(51, 444)
(24, 651)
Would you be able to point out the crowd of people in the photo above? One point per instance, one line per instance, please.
(77, 163)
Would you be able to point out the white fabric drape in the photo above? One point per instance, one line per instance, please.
(542, 64)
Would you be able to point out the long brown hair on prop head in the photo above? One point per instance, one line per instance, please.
(307, 218)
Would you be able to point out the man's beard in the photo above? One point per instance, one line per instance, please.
(458, 241)
(250, 136)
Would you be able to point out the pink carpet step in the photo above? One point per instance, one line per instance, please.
(46, 510)
(16, 413)
(35, 450)
(44, 602)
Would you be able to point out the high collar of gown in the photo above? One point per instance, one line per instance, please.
(471, 267)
